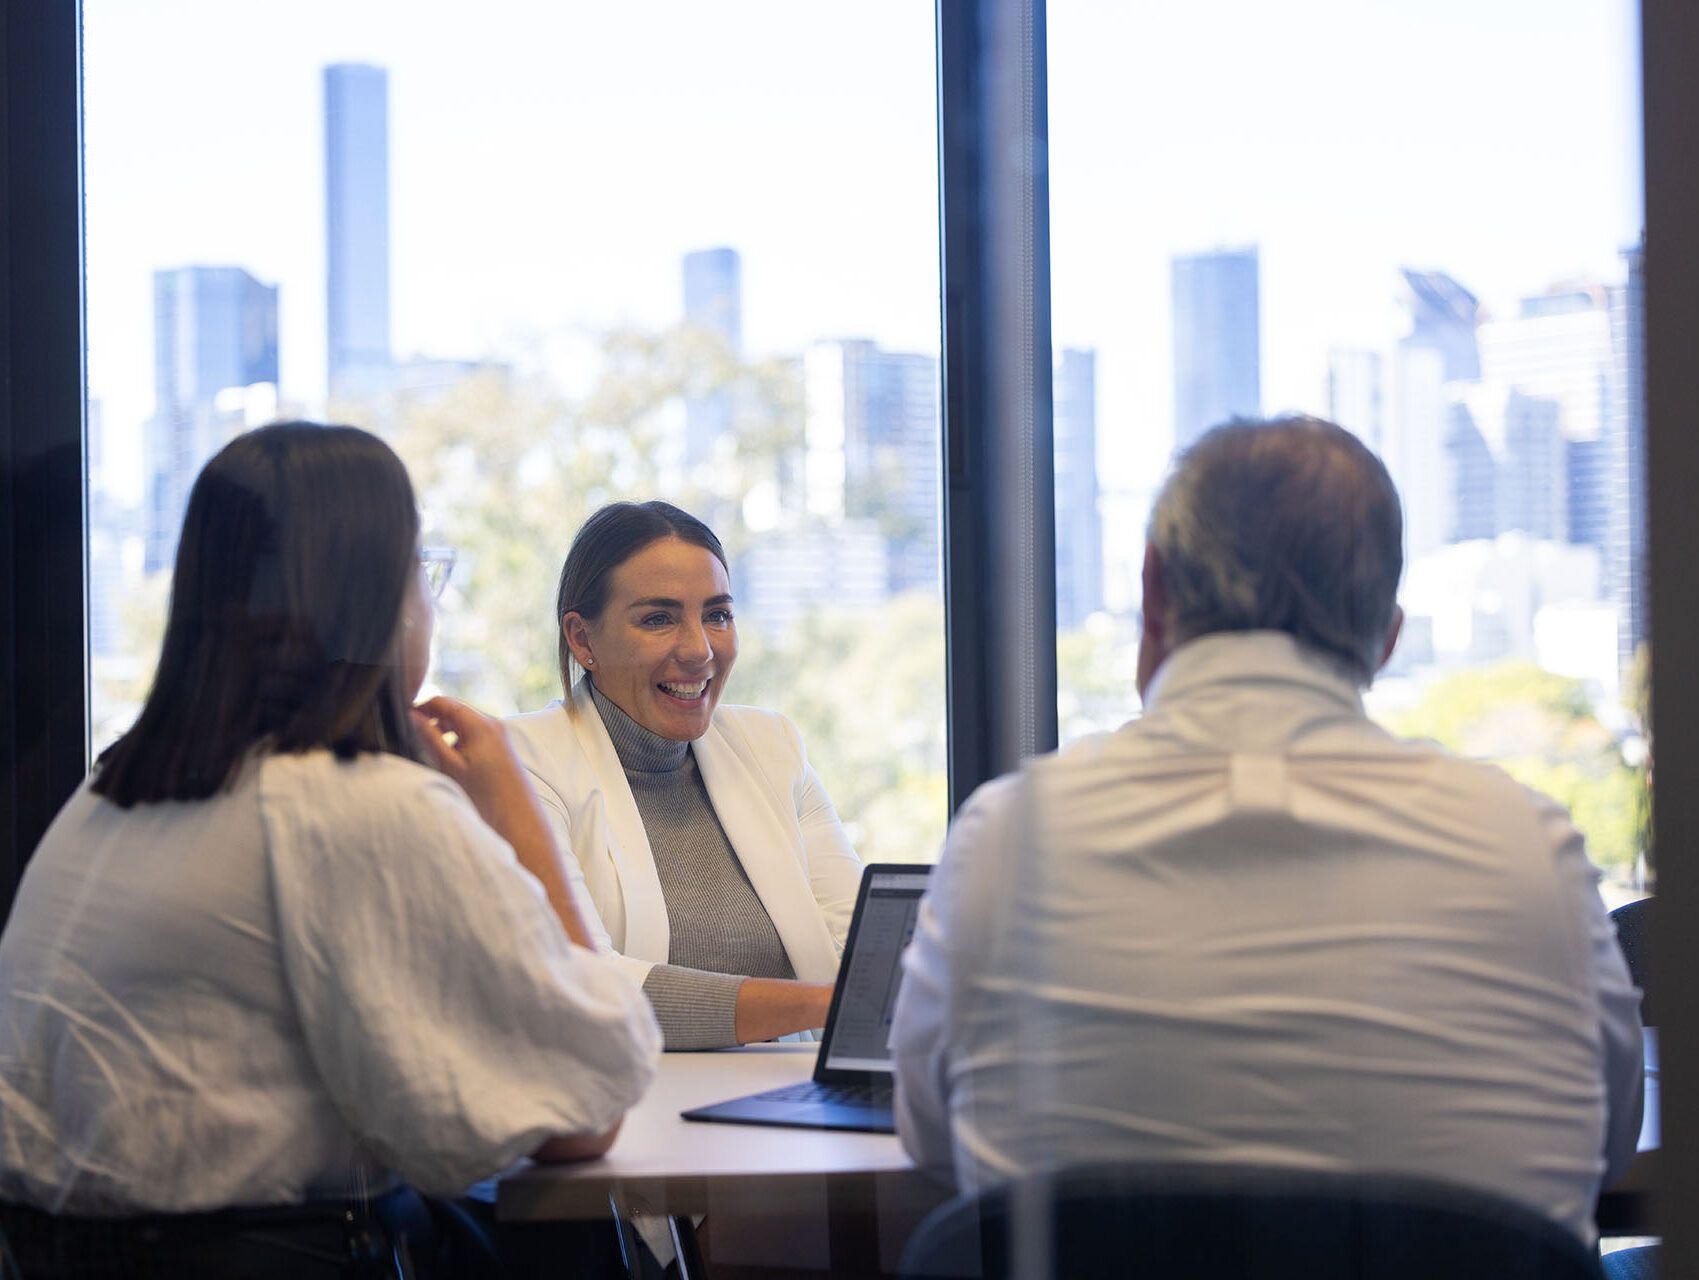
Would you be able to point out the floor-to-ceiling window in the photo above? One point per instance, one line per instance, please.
(1422, 222)
(557, 256)
(1671, 267)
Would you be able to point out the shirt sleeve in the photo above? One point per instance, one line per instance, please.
(1618, 999)
(554, 812)
(454, 1024)
(696, 1009)
(952, 943)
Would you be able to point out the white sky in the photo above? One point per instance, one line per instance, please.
(551, 163)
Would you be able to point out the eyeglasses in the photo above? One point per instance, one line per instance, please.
(438, 563)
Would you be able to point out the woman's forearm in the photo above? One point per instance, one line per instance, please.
(771, 1007)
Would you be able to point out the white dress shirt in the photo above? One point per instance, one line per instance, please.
(329, 975)
(1253, 927)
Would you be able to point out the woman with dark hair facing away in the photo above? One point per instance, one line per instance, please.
(267, 968)
(711, 853)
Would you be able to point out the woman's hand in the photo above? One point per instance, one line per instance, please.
(481, 759)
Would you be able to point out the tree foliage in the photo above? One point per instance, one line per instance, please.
(1541, 729)
(506, 472)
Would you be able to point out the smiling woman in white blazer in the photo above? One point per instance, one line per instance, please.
(702, 836)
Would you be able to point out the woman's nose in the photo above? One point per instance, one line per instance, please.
(693, 643)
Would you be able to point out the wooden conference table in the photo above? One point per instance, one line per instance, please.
(797, 1200)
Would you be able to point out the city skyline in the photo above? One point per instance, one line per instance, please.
(527, 228)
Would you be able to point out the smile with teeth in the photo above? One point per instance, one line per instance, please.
(684, 692)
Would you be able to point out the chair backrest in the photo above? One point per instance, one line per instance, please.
(1210, 1223)
(1634, 927)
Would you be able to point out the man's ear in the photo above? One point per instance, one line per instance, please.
(1155, 607)
(1153, 637)
(1392, 633)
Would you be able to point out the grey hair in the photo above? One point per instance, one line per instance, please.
(1286, 525)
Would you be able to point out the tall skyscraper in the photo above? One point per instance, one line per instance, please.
(1558, 347)
(1570, 346)
(356, 185)
(1428, 449)
(871, 450)
(214, 328)
(1354, 393)
(1443, 317)
(1217, 347)
(1079, 522)
(713, 303)
(1625, 547)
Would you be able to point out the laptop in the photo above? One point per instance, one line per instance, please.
(851, 1088)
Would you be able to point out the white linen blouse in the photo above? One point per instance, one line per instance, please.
(330, 975)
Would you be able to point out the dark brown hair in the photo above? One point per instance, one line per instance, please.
(1290, 524)
(298, 547)
(607, 540)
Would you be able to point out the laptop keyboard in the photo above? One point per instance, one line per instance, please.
(813, 1091)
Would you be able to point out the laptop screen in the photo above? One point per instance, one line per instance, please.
(858, 1036)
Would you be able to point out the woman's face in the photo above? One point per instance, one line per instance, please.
(418, 617)
(665, 643)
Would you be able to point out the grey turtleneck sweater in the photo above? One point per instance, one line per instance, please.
(721, 933)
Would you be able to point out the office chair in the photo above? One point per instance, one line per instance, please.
(1230, 1223)
(1634, 928)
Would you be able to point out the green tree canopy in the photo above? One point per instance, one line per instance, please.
(1540, 728)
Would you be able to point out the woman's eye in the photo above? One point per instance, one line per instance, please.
(720, 617)
(656, 620)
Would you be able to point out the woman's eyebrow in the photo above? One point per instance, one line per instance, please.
(667, 602)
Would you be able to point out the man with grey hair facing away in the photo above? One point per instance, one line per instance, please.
(1254, 928)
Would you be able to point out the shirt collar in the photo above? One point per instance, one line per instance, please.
(1227, 657)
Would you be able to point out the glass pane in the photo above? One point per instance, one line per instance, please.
(558, 255)
(1385, 215)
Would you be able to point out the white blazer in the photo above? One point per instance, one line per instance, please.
(771, 803)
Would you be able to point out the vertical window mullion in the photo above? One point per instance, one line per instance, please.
(999, 469)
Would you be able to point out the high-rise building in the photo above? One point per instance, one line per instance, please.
(1591, 477)
(1445, 475)
(786, 573)
(215, 328)
(1354, 394)
(1625, 545)
(1558, 347)
(1471, 479)
(1217, 344)
(1570, 346)
(1508, 464)
(871, 450)
(1443, 318)
(1079, 522)
(713, 303)
(356, 186)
